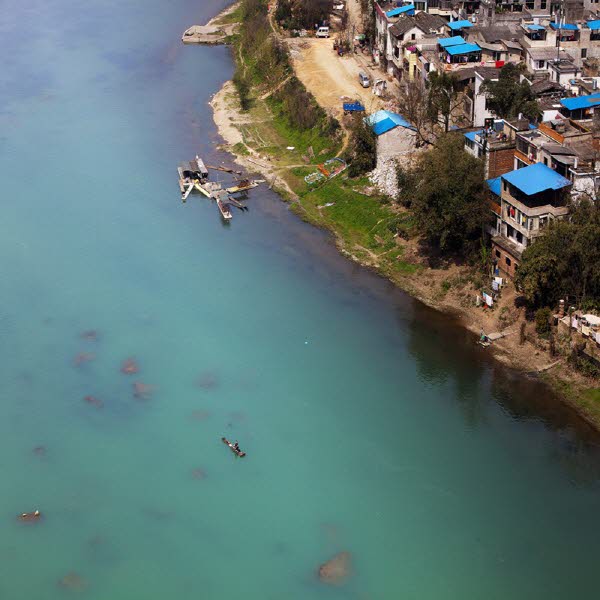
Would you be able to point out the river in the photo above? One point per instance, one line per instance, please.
(372, 425)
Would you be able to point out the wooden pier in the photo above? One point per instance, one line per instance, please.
(194, 175)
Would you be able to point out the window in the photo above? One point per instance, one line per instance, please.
(583, 52)
(413, 36)
(541, 64)
(498, 255)
(508, 262)
(545, 161)
(543, 4)
(529, 5)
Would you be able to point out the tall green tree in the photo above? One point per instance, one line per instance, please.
(508, 97)
(363, 148)
(449, 200)
(565, 261)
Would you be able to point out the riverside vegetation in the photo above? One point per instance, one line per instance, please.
(431, 239)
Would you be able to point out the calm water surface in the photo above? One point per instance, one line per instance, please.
(372, 425)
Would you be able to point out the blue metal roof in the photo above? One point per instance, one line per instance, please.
(535, 179)
(594, 25)
(581, 102)
(462, 49)
(536, 27)
(471, 134)
(459, 24)
(565, 26)
(384, 120)
(495, 185)
(451, 41)
(401, 10)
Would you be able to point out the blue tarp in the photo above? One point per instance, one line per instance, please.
(495, 185)
(471, 134)
(536, 27)
(409, 9)
(462, 49)
(564, 26)
(581, 102)
(384, 120)
(451, 41)
(594, 25)
(535, 179)
(459, 24)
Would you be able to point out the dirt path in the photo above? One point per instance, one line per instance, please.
(328, 77)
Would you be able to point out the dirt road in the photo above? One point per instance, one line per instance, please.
(331, 79)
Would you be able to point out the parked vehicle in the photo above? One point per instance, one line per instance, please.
(364, 79)
(323, 32)
(350, 107)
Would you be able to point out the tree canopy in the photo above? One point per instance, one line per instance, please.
(508, 97)
(363, 148)
(443, 97)
(565, 261)
(302, 14)
(449, 199)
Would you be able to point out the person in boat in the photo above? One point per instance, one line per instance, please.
(236, 447)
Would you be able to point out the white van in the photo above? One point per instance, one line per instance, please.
(323, 32)
(364, 80)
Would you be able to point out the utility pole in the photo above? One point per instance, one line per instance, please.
(560, 22)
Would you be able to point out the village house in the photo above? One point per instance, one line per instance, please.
(530, 198)
(405, 34)
(495, 145)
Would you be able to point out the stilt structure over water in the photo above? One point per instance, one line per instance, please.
(193, 175)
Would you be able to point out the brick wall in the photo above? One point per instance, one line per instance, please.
(500, 255)
(500, 162)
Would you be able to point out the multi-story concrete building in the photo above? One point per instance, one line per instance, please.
(530, 198)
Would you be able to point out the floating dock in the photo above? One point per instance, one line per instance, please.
(194, 175)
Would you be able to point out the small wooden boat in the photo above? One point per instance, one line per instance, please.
(245, 185)
(202, 190)
(234, 447)
(224, 210)
(29, 517)
(187, 192)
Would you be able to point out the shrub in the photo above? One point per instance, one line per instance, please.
(542, 321)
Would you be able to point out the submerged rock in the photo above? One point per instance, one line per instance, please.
(94, 401)
(336, 570)
(200, 415)
(83, 357)
(198, 473)
(74, 582)
(129, 366)
(40, 450)
(90, 334)
(142, 391)
(208, 381)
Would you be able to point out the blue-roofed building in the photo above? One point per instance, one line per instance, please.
(534, 32)
(462, 53)
(384, 120)
(580, 107)
(494, 144)
(531, 198)
(455, 40)
(459, 26)
(408, 9)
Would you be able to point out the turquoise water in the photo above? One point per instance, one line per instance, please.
(372, 425)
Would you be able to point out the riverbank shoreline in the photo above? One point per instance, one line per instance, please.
(425, 284)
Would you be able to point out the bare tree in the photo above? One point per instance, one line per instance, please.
(413, 101)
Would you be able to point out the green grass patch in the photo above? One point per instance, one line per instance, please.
(240, 149)
(235, 16)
